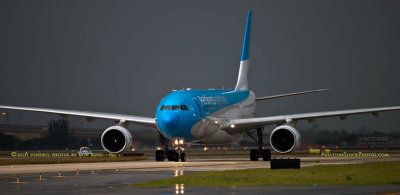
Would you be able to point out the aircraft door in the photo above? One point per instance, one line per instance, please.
(199, 107)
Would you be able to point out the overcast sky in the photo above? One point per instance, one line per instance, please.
(124, 56)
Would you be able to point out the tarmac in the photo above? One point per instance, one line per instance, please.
(111, 177)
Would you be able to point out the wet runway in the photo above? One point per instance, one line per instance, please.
(194, 163)
(85, 182)
(109, 177)
(112, 181)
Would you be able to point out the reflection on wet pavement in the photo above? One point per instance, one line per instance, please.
(178, 173)
(179, 189)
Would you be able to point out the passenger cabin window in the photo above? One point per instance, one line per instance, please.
(210, 107)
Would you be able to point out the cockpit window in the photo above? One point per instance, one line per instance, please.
(174, 107)
(184, 107)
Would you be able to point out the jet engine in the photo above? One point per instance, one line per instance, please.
(116, 139)
(284, 139)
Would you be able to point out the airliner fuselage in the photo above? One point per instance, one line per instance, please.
(198, 114)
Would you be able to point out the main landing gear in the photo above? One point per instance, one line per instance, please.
(260, 152)
(171, 155)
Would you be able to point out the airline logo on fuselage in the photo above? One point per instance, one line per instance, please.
(213, 100)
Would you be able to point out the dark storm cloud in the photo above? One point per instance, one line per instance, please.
(124, 56)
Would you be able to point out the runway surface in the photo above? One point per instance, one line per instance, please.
(197, 163)
(110, 176)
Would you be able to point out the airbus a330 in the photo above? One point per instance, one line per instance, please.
(210, 116)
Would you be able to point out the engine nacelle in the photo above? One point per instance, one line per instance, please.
(116, 139)
(284, 139)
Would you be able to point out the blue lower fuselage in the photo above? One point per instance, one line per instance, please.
(179, 111)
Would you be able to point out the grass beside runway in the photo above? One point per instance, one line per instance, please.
(349, 174)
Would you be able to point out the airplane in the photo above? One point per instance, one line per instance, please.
(210, 116)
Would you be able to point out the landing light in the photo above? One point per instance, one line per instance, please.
(233, 126)
(158, 148)
(176, 142)
(181, 141)
(3, 113)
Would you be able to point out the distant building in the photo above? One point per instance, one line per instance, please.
(382, 142)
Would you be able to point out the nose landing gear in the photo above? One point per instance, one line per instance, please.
(172, 155)
(260, 152)
(178, 153)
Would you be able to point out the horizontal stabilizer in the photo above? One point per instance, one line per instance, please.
(289, 94)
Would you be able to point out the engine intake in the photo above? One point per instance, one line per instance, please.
(284, 139)
(116, 139)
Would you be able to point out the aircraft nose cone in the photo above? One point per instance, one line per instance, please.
(170, 120)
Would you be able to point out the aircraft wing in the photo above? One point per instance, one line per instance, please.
(240, 125)
(145, 121)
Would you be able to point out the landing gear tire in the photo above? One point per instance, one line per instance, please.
(266, 155)
(183, 157)
(171, 155)
(254, 155)
(160, 156)
(260, 152)
(176, 156)
(163, 152)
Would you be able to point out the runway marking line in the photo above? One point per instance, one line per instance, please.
(19, 182)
